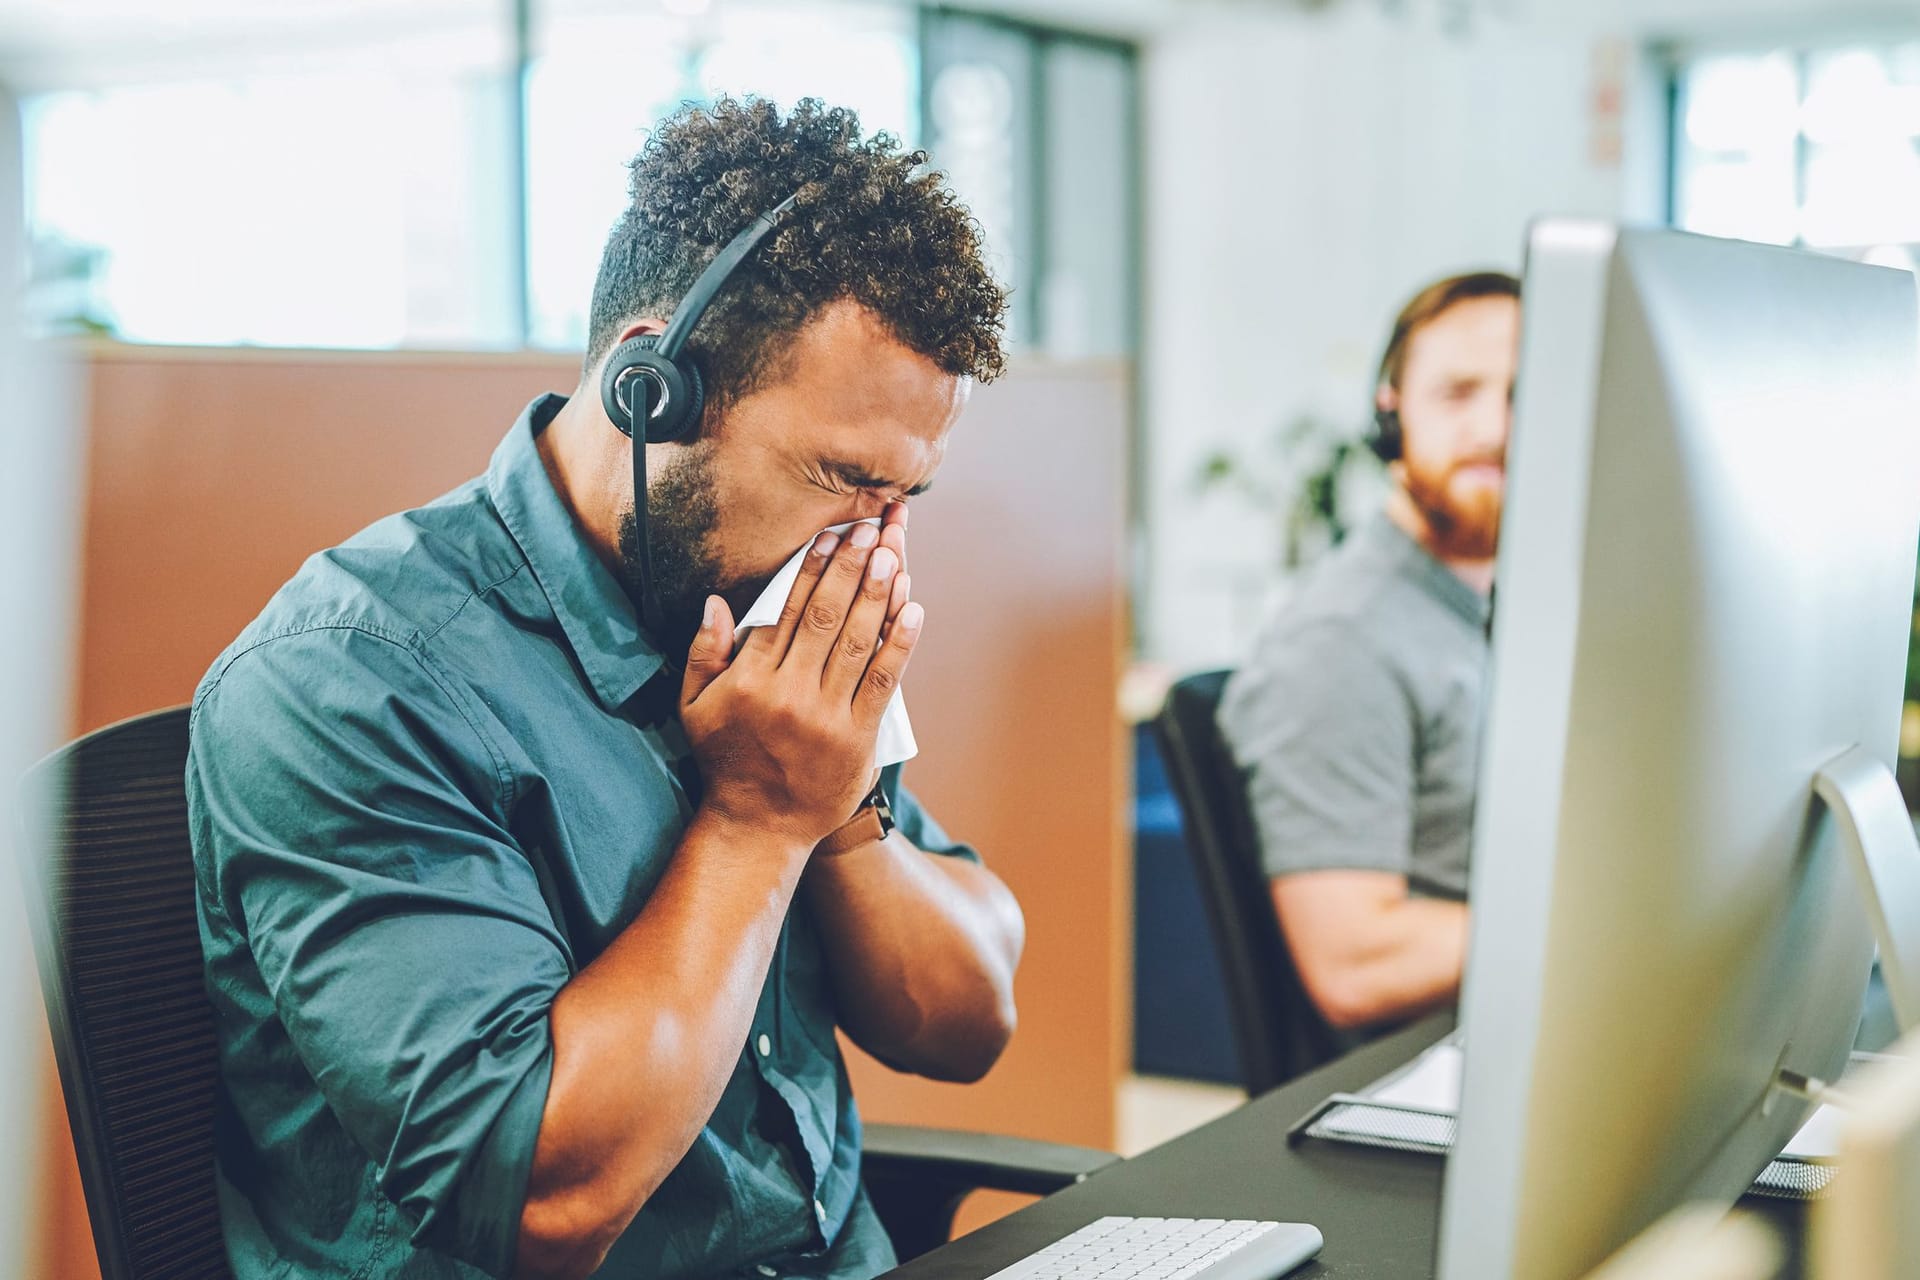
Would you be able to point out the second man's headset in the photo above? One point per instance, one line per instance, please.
(648, 382)
(1387, 440)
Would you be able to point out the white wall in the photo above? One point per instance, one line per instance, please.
(1304, 175)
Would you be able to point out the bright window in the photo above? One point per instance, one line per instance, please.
(426, 177)
(346, 200)
(1818, 148)
(601, 74)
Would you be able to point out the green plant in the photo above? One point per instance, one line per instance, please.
(1309, 471)
(1913, 649)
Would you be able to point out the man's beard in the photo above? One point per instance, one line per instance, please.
(1464, 527)
(683, 509)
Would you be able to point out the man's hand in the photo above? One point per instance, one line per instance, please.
(922, 948)
(784, 730)
(893, 536)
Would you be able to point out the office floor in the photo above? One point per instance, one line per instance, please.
(1155, 1109)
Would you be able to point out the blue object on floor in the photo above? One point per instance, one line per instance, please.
(1180, 1020)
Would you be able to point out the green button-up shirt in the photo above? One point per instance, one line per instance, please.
(430, 783)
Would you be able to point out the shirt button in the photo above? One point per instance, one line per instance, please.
(764, 1044)
(820, 1212)
(766, 1271)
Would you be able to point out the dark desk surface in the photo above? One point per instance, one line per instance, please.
(1379, 1210)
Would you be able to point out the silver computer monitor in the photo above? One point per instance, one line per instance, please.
(1704, 596)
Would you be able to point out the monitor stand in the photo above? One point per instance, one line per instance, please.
(1877, 833)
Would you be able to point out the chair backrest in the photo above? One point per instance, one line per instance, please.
(111, 903)
(1277, 1031)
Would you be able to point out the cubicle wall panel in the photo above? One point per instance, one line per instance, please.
(1017, 554)
(214, 473)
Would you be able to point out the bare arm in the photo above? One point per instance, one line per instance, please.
(921, 947)
(670, 1002)
(922, 950)
(645, 1037)
(1368, 951)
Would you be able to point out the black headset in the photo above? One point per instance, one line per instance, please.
(1386, 439)
(649, 374)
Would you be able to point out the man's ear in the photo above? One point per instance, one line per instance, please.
(646, 324)
(1385, 398)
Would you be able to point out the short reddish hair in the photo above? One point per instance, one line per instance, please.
(1429, 305)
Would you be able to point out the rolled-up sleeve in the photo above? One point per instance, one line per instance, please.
(350, 821)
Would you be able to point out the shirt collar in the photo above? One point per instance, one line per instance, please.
(1435, 578)
(592, 607)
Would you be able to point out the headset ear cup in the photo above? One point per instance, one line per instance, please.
(680, 394)
(617, 370)
(693, 404)
(1385, 439)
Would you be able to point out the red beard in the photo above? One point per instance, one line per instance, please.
(1464, 518)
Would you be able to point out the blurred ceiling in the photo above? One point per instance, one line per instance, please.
(34, 34)
(58, 23)
(39, 37)
(1649, 17)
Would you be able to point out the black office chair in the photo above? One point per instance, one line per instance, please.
(111, 904)
(1277, 1030)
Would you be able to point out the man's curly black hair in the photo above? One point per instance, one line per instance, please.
(871, 224)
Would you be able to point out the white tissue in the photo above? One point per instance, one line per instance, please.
(896, 731)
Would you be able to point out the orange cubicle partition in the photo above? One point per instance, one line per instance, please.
(213, 473)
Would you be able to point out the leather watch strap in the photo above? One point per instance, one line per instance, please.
(872, 821)
(864, 827)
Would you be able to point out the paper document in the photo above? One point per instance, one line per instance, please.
(1818, 1138)
(1431, 1082)
(896, 731)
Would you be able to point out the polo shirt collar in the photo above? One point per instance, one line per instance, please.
(592, 607)
(1439, 581)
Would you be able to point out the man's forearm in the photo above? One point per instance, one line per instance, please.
(922, 950)
(1408, 962)
(645, 1038)
(1366, 951)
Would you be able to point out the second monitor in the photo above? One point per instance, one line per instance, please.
(1705, 588)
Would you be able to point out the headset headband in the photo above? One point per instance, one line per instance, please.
(714, 278)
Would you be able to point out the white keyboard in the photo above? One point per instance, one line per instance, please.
(1171, 1249)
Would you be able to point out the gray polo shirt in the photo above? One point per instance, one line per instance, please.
(1357, 719)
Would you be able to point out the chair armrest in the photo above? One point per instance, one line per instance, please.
(917, 1176)
(988, 1161)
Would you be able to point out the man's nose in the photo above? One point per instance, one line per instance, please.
(1492, 427)
(864, 506)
